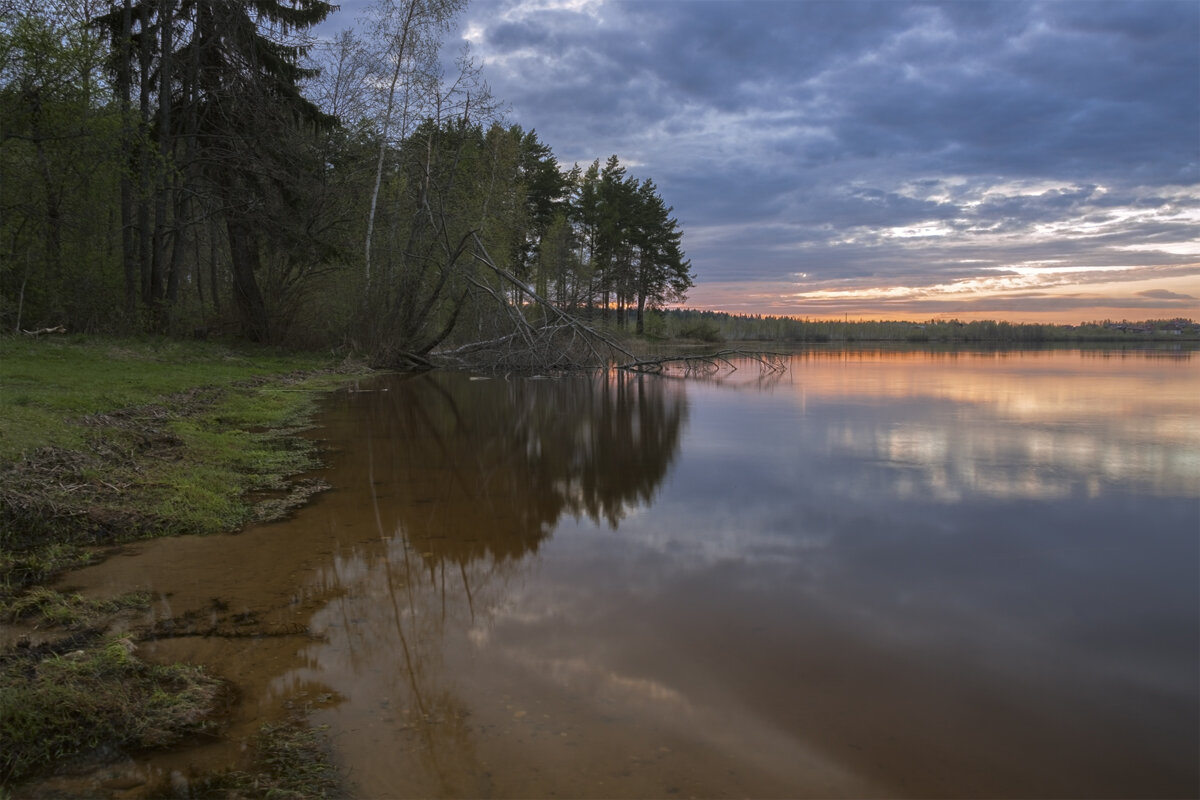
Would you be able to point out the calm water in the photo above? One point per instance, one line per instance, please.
(877, 574)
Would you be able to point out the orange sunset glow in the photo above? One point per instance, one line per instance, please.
(1045, 295)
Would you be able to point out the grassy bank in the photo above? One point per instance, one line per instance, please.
(105, 441)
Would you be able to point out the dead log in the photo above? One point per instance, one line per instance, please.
(708, 362)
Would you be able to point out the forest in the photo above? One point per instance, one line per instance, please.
(209, 168)
(720, 326)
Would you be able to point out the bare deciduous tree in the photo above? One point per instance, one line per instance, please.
(408, 36)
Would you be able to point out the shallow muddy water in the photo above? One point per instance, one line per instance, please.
(877, 574)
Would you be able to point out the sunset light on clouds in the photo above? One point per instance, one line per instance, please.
(1026, 161)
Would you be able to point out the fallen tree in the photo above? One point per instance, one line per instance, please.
(538, 336)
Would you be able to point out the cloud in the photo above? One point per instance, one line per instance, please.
(896, 142)
(1164, 294)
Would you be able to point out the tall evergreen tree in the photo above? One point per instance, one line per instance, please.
(218, 83)
(611, 259)
(585, 212)
(247, 107)
(662, 274)
(545, 189)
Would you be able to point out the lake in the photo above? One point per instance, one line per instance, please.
(883, 573)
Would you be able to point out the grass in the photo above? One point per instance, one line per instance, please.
(103, 441)
(48, 380)
(47, 608)
(61, 704)
(291, 763)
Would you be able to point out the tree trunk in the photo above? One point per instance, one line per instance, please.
(124, 87)
(401, 46)
(244, 261)
(175, 265)
(158, 267)
(214, 288)
(145, 231)
(188, 182)
(53, 212)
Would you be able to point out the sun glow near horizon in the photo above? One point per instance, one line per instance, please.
(1044, 251)
(1047, 293)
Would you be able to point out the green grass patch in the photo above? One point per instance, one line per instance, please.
(46, 382)
(48, 608)
(24, 567)
(104, 441)
(67, 704)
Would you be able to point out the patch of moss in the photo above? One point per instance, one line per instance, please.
(61, 704)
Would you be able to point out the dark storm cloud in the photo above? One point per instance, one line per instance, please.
(892, 139)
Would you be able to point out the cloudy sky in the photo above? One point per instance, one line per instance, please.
(1031, 161)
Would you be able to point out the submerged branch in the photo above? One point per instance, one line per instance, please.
(709, 362)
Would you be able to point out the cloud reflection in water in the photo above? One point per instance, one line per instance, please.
(884, 573)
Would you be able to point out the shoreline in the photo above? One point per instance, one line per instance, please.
(105, 442)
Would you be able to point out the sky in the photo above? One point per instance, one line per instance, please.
(1021, 161)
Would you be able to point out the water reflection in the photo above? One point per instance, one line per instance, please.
(507, 459)
(464, 477)
(1009, 424)
(879, 574)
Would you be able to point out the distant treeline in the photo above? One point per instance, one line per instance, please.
(719, 326)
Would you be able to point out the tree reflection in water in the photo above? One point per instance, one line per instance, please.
(461, 479)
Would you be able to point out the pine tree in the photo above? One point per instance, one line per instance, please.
(662, 274)
(218, 84)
